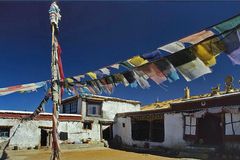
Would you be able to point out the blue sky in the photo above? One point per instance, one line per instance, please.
(96, 34)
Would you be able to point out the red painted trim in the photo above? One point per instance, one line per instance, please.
(227, 100)
(40, 117)
(232, 138)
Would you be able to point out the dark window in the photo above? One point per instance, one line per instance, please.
(157, 133)
(140, 130)
(70, 107)
(4, 131)
(123, 125)
(87, 125)
(63, 136)
(94, 108)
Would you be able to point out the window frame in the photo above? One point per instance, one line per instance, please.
(8, 128)
(62, 135)
(191, 126)
(70, 106)
(87, 122)
(100, 103)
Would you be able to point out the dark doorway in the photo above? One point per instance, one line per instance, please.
(209, 129)
(44, 137)
(107, 133)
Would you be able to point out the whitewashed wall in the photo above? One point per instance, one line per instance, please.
(111, 108)
(29, 133)
(173, 124)
(124, 132)
(173, 138)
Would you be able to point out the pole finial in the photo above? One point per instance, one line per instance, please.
(54, 13)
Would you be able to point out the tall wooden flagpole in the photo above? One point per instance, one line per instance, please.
(55, 80)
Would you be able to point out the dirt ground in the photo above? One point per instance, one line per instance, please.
(84, 154)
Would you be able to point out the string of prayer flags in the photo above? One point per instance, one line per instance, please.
(22, 88)
(190, 56)
(40, 107)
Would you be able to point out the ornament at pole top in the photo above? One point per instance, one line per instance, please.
(54, 13)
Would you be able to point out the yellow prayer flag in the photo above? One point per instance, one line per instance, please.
(92, 75)
(69, 80)
(207, 57)
(208, 50)
(137, 61)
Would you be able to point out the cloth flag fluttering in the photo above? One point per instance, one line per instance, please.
(22, 88)
(191, 56)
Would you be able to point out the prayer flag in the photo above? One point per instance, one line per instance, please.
(137, 61)
(153, 72)
(193, 69)
(197, 37)
(232, 46)
(173, 47)
(92, 75)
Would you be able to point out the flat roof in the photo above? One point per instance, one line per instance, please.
(197, 103)
(103, 98)
(207, 98)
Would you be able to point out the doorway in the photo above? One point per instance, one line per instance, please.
(210, 129)
(107, 132)
(44, 137)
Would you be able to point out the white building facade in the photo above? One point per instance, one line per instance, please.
(211, 121)
(82, 119)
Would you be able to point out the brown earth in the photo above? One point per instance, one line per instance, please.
(84, 154)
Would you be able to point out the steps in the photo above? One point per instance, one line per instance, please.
(79, 146)
(199, 152)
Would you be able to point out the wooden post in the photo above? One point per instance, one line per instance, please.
(54, 13)
(55, 97)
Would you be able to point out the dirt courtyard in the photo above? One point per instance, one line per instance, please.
(85, 154)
